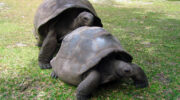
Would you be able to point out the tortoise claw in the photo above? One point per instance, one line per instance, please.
(53, 75)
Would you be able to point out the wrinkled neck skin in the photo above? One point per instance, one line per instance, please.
(107, 70)
(118, 68)
(76, 24)
(116, 73)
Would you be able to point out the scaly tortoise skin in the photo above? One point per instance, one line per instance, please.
(91, 56)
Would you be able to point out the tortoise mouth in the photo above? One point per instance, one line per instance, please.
(118, 75)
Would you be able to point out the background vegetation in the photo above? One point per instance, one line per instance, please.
(148, 29)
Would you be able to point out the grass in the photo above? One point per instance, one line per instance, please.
(149, 31)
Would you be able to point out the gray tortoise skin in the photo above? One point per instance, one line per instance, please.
(56, 18)
(91, 56)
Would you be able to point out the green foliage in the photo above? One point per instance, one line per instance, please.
(149, 31)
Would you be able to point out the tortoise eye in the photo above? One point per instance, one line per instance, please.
(85, 18)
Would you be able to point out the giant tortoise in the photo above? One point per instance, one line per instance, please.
(89, 57)
(56, 18)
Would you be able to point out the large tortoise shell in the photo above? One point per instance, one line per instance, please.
(50, 9)
(82, 49)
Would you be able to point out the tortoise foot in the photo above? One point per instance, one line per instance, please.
(45, 65)
(80, 97)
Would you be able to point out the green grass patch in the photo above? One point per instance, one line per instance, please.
(149, 30)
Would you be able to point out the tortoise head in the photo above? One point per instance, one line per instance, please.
(125, 69)
(83, 19)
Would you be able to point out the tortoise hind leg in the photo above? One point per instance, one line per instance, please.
(88, 85)
(47, 50)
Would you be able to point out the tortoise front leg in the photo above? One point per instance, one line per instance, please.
(139, 77)
(47, 50)
(88, 85)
